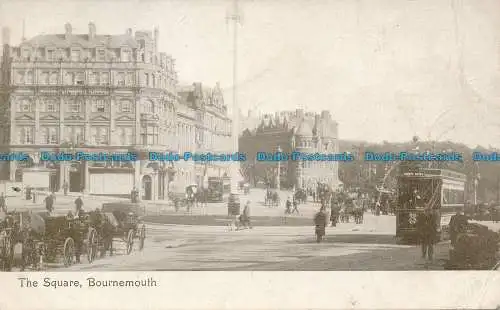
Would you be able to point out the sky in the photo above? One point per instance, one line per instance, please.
(386, 69)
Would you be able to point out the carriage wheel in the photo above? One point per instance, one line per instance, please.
(142, 237)
(91, 245)
(130, 241)
(69, 251)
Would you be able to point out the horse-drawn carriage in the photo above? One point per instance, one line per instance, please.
(300, 196)
(31, 240)
(272, 198)
(126, 224)
(185, 199)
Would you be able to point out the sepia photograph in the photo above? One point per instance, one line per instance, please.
(239, 135)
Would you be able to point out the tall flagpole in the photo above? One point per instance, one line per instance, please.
(235, 18)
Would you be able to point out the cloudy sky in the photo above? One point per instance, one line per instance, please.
(386, 69)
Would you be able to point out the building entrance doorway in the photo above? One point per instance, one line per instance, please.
(75, 181)
(146, 187)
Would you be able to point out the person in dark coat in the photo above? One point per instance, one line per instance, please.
(320, 222)
(288, 206)
(78, 205)
(427, 232)
(3, 203)
(49, 203)
(458, 224)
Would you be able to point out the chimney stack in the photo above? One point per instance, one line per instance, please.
(68, 30)
(92, 31)
(5, 36)
(129, 31)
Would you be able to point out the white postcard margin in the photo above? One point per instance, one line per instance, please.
(257, 290)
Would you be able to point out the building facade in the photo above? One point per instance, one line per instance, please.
(287, 132)
(91, 93)
(210, 129)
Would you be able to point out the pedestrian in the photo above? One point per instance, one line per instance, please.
(427, 232)
(458, 224)
(288, 206)
(314, 196)
(320, 222)
(295, 207)
(3, 203)
(49, 203)
(245, 216)
(78, 206)
(334, 213)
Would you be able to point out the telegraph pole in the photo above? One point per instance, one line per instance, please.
(234, 17)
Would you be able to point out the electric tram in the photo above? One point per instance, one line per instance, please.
(439, 189)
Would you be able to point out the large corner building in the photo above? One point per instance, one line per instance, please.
(95, 92)
(290, 131)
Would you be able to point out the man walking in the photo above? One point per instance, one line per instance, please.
(288, 206)
(49, 203)
(3, 203)
(427, 231)
(78, 206)
(295, 206)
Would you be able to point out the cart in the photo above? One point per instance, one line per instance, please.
(127, 225)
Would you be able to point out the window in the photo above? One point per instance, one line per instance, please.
(75, 134)
(93, 77)
(25, 53)
(74, 106)
(49, 135)
(125, 106)
(20, 77)
(146, 79)
(104, 78)
(69, 78)
(51, 106)
(126, 135)
(51, 55)
(26, 135)
(99, 106)
(126, 55)
(25, 106)
(149, 107)
(130, 78)
(101, 55)
(75, 55)
(53, 78)
(149, 135)
(120, 79)
(29, 77)
(153, 80)
(100, 135)
(79, 78)
(44, 78)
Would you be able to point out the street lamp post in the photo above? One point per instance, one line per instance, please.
(476, 183)
(278, 186)
(235, 18)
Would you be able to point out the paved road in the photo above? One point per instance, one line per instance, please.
(347, 247)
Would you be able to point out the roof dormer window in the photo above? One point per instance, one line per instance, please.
(76, 55)
(25, 53)
(126, 55)
(101, 54)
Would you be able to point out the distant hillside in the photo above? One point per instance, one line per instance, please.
(355, 173)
